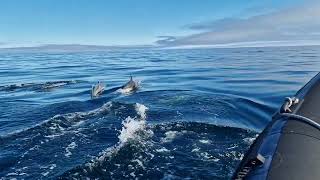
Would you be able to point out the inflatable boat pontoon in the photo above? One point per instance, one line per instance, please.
(289, 147)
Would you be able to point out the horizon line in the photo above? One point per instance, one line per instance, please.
(76, 46)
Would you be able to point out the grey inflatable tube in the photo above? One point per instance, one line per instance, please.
(289, 147)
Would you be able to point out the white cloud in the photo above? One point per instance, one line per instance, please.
(296, 24)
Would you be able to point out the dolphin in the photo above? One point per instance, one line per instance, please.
(130, 86)
(97, 89)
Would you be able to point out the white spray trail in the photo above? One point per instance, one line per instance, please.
(133, 129)
(133, 125)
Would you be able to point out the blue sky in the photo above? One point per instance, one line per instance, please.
(138, 22)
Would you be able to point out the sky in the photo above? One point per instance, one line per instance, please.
(157, 22)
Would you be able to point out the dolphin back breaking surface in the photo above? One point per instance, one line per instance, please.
(130, 86)
(97, 89)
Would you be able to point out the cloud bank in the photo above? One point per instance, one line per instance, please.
(295, 24)
(2, 44)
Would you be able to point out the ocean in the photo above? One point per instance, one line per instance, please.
(194, 116)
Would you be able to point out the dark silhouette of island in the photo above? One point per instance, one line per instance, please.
(69, 48)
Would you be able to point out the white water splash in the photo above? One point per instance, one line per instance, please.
(133, 129)
(195, 149)
(170, 135)
(163, 149)
(141, 110)
(133, 125)
(205, 141)
(69, 148)
(250, 140)
(129, 129)
(125, 91)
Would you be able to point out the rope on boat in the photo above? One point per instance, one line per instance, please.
(287, 112)
(288, 103)
(301, 119)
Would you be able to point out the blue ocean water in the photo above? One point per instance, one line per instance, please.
(196, 113)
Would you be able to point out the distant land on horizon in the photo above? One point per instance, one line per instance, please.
(83, 47)
(67, 48)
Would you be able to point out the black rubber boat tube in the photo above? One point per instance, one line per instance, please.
(289, 147)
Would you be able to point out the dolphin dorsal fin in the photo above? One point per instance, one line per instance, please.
(130, 78)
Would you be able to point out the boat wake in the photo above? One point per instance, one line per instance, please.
(118, 139)
(167, 150)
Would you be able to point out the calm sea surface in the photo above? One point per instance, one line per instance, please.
(196, 113)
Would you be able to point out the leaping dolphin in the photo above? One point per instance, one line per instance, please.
(97, 89)
(130, 86)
